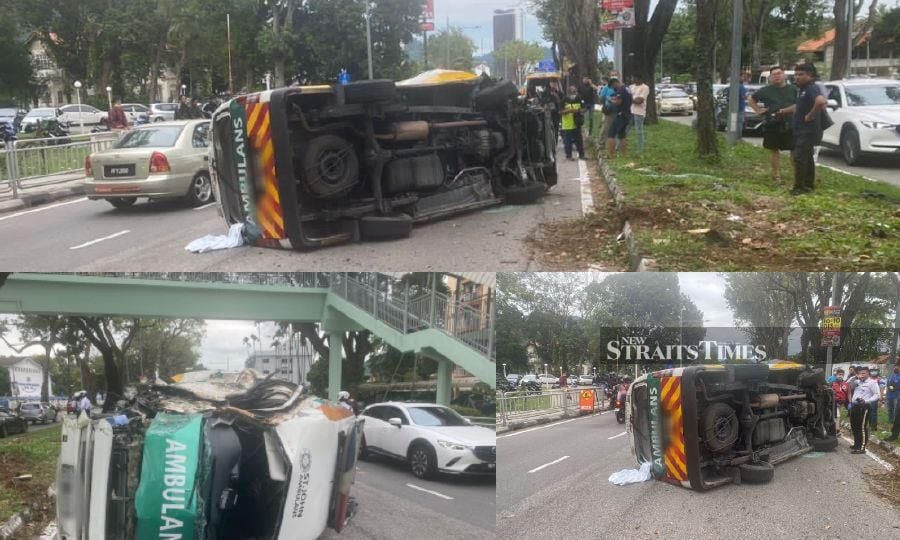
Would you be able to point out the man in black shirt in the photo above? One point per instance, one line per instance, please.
(588, 93)
(808, 127)
(618, 132)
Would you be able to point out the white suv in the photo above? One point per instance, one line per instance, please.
(866, 114)
(430, 438)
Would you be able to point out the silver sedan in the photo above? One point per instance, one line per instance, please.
(161, 160)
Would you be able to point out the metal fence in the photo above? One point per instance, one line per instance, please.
(31, 163)
(512, 406)
(379, 296)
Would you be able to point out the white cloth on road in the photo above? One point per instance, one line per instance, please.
(631, 476)
(212, 242)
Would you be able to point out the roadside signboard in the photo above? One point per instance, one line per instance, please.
(427, 20)
(623, 19)
(831, 326)
(586, 401)
(616, 5)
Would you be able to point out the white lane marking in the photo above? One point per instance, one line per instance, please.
(545, 465)
(206, 206)
(617, 436)
(529, 430)
(92, 242)
(42, 208)
(587, 199)
(835, 169)
(435, 493)
(877, 459)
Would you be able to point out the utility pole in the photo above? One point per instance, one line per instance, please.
(447, 44)
(425, 47)
(369, 37)
(835, 301)
(850, 17)
(734, 130)
(230, 79)
(617, 37)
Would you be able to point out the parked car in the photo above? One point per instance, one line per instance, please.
(586, 380)
(705, 426)
(674, 101)
(546, 378)
(163, 112)
(513, 379)
(81, 114)
(271, 462)
(42, 114)
(430, 438)
(444, 143)
(156, 161)
(136, 113)
(753, 123)
(866, 115)
(36, 412)
(12, 423)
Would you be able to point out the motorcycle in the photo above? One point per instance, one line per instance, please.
(620, 410)
(7, 132)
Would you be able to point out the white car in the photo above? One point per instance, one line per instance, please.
(77, 114)
(162, 112)
(133, 111)
(866, 115)
(585, 380)
(546, 378)
(430, 438)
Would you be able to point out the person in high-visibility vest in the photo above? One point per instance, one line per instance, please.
(572, 120)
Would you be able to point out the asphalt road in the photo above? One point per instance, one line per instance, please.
(390, 508)
(82, 235)
(881, 168)
(818, 495)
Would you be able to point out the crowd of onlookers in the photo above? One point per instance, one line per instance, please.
(861, 393)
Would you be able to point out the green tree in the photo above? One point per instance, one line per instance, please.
(16, 74)
(452, 49)
(764, 313)
(522, 54)
(45, 331)
(707, 138)
(574, 28)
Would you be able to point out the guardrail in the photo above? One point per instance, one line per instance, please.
(485, 421)
(31, 163)
(432, 309)
(513, 406)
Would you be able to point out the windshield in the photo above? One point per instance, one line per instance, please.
(41, 113)
(674, 94)
(435, 416)
(156, 137)
(866, 96)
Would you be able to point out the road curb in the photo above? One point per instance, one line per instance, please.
(531, 422)
(884, 445)
(30, 200)
(637, 262)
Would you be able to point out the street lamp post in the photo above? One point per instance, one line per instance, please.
(369, 38)
(109, 96)
(504, 369)
(183, 89)
(78, 100)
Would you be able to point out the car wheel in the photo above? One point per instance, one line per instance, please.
(122, 202)
(757, 473)
(370, 91)
(385, 227)
(363, 449)
(827, 444)
(422, 461)
(527, 194)
(332, 166)
(158, 119)
(720, 427)
(850, 146)
(200, 191)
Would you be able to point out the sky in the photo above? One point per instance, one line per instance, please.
(470, 13)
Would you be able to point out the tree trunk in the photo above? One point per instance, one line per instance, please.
(839, 66)
(642, 43)
(45, 374)
(757, 21)
(707, 142)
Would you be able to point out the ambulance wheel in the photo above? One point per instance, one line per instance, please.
(370, 91)
(827, 444)
(720, 427)
(757, 473)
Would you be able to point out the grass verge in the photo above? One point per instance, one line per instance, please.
(35, 454)
(690, 214)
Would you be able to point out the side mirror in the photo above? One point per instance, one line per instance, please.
(395, 422)
(832, 104)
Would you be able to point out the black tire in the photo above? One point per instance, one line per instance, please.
(850, 148)
(331, 167)
(494, 96)
(551, 176)
(814, 377)
(757, 473)
(827, 444)
(620, 417)
(370, 91)
(720, 427)
(422, 461)
(528, 194)
(747, 372)
(159, 119)
(364, 454)
(385, 227)
(122, 202)
(200, 191)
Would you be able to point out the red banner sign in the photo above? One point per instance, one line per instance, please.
(831, 326)
(623, 19)
(427, 20)
(616, 5)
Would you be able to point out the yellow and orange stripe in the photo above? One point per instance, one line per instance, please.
(259, 132)
(675, 462)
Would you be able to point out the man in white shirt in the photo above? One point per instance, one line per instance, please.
(85, 404)
(639, 93)
(866, 393)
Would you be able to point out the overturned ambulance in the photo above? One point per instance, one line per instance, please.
(311, 166)
(213, 456)
(704, 426)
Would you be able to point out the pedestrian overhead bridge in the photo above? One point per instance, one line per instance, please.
(411, 319)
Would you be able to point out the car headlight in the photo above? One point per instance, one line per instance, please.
(451, 445)
(876, 125)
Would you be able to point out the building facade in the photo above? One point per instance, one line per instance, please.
(509, 25)
(288, 365)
